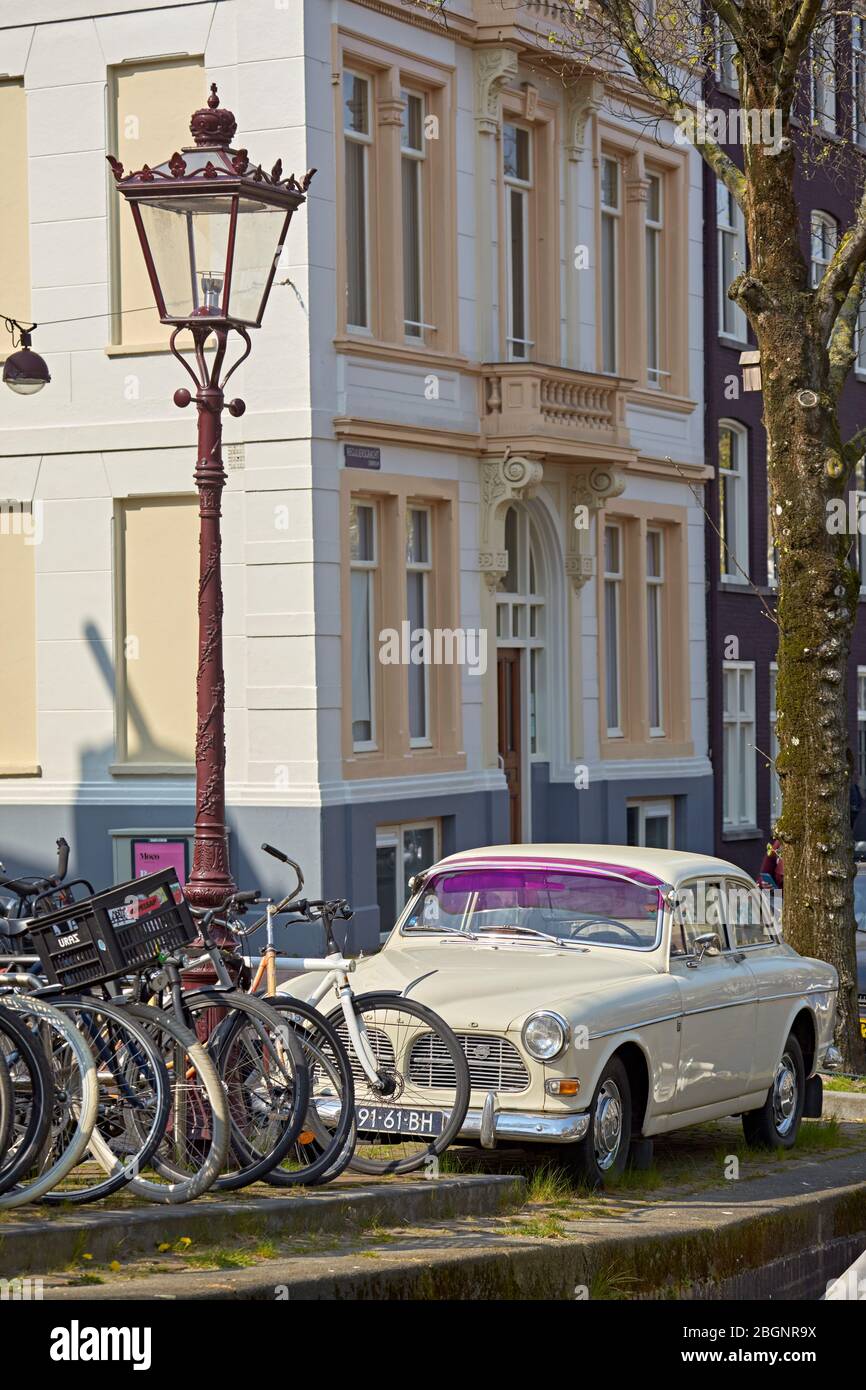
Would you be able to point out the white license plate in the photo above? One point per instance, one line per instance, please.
(393, 1119)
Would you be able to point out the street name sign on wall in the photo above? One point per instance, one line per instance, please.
(362, 456)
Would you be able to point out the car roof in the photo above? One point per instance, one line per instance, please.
(662, 865)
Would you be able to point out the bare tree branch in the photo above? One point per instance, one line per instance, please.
(654, 81)
(731, 16)
(852, 451)
(842, 347)
(799, 34)
(839, 277)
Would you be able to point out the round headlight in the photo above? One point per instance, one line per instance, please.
(545, 1036)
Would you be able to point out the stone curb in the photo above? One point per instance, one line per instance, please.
(707, 1245)
(844, 1105)
(34, 1246)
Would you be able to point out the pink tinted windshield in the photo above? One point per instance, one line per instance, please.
(587, 906)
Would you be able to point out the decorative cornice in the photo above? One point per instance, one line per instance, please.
(494, 69)
(456, 27)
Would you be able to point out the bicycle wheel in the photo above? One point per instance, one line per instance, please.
(326, 1142)
(417, 1107)
(195, 1141)
(33, 1097)
(134, 1098)
(261, 1065)
(76, 1099)
(7, 1106)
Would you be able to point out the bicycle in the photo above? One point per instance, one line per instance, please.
(410, 1073)
(326, 1142)
(73, 1112)
(183, 1129)
(257, 1057)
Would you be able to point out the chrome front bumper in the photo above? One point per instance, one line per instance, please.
(490, 1125)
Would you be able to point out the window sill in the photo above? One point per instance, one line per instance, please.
(20, 770)
(743, 832)
(655, 746)
(152, 769)
(412, 763)
(738, 344)
(660, 399)
(145, 349)
(363, 346)
(730, 581)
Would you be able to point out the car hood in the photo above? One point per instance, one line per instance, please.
(496, 986)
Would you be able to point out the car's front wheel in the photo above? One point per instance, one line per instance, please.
(776, 1124)
(604, 1151)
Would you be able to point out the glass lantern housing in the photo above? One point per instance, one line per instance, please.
(211, 225)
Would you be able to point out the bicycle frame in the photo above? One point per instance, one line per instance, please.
(337, 970)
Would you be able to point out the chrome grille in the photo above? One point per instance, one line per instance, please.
(381, 1046)
(494, 1063)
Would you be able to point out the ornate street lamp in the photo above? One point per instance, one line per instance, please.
(212, 227)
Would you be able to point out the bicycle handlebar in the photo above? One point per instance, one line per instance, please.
(238, 901)
(284, 859)
(314, 908)
(27, 887)
(62, 859)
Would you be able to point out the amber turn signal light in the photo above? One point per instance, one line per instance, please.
(567, 1086)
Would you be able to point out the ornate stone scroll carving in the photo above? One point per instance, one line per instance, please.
(494, 69)
(583, 99)
(588, 490)
(510, 479)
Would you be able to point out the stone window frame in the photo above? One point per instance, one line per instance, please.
(391, 70)
(125, 765)
(120, 228)
(635, 739)
(521, 106)
(635, 161)
(395, 755)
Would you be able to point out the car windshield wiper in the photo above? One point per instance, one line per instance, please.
(532, 931)
(448, 931)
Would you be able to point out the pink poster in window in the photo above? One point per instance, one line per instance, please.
(150, 855)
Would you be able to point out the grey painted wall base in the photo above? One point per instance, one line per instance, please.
(597, 814)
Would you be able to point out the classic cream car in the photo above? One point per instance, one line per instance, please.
(605, 994)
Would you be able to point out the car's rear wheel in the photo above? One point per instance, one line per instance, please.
(777, 1123)
(604, 1152)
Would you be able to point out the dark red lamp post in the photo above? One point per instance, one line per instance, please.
(211, 226)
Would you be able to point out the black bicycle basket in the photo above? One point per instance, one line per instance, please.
(118, 932)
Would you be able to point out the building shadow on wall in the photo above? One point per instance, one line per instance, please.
(92, 819)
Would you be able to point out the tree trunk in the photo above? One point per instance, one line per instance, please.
(818, 589)
(818, 594)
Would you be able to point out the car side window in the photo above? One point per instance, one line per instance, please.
(748, 921)
(700, 909)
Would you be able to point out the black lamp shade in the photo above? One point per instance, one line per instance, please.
(25, 372)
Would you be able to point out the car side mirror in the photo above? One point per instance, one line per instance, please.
(707, 944)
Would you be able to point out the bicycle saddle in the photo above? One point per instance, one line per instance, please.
(13, 927)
